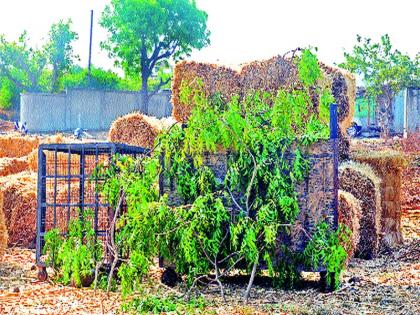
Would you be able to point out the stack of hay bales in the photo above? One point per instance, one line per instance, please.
(388, 165)
(361, 181)
(266, 76)
(17, 146)
(214, 79)
(3, 230)
(18, 205)
(10, 166)
(137, 129)
(349, 214)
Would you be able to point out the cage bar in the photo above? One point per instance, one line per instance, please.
(66, 186)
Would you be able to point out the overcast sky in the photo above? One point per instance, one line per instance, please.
(242, 30)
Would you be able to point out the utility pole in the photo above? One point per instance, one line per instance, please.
(90, 47)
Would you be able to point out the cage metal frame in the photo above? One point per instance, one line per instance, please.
(81, 150)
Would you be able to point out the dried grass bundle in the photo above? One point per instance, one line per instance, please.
(388, 165)
(361, 181)
(9, 166)
(349, 214)
(137, 129)
(17, 146)
(3, 230)
(18, 196)
(215, 79)
(268, 75)
(343, 146)
(343, 86)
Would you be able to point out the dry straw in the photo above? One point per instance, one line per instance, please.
(9, 166)
(137, 129)
(17, 146)
(3, 230)
(361, 181)
(266, 76)
(18, 204)
(388, 165)
(349, 214)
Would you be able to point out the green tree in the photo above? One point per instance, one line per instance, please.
(21, 64)
(145, 34)
(78, 77)
(59, 51)
(385, 72)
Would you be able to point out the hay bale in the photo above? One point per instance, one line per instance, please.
(32, 157)
(349, 214)
(17, 146)
(137, 129)
(343, 146)
(3, 230)
(361, 181)
(388, 165)
(269, 75)
(215, 79)
(343, 86)
(10, 166)
(19, 203)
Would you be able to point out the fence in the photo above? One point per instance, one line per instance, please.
(86, 108)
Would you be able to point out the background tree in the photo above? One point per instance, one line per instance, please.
(385, 72)
(22, 65)
(145, 34)
(59, 51)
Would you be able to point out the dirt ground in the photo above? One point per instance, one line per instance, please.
(389, 284)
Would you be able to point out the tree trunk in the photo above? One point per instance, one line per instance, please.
(144, 92)
(384, 111)
(54, 79)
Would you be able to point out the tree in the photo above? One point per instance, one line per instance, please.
(22, 65)
(385, 72)
(145, 34)
(59, 51)
(78, 77)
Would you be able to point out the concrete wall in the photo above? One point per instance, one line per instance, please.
(413, 109)
(88, 109)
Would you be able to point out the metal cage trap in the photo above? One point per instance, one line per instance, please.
(66, 188)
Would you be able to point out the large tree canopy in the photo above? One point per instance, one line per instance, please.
(21, 64)
(31, 69)
(145, 34)
(385, 72)
(59, 51)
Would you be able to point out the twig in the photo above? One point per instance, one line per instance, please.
(114, 248)
(251, 281)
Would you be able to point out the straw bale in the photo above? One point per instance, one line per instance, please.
(18, 203)
(10, 166)
(17, 146)
(349, 214)
(32, 157)
(361, 181)
(215, 79)
(388, 165)
(343, 86)
(268, 75)
(137, 129)
(3, 230)
(343, 146)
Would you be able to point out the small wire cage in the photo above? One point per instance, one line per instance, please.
(67, 187)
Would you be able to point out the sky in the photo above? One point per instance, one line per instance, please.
(241, 30)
